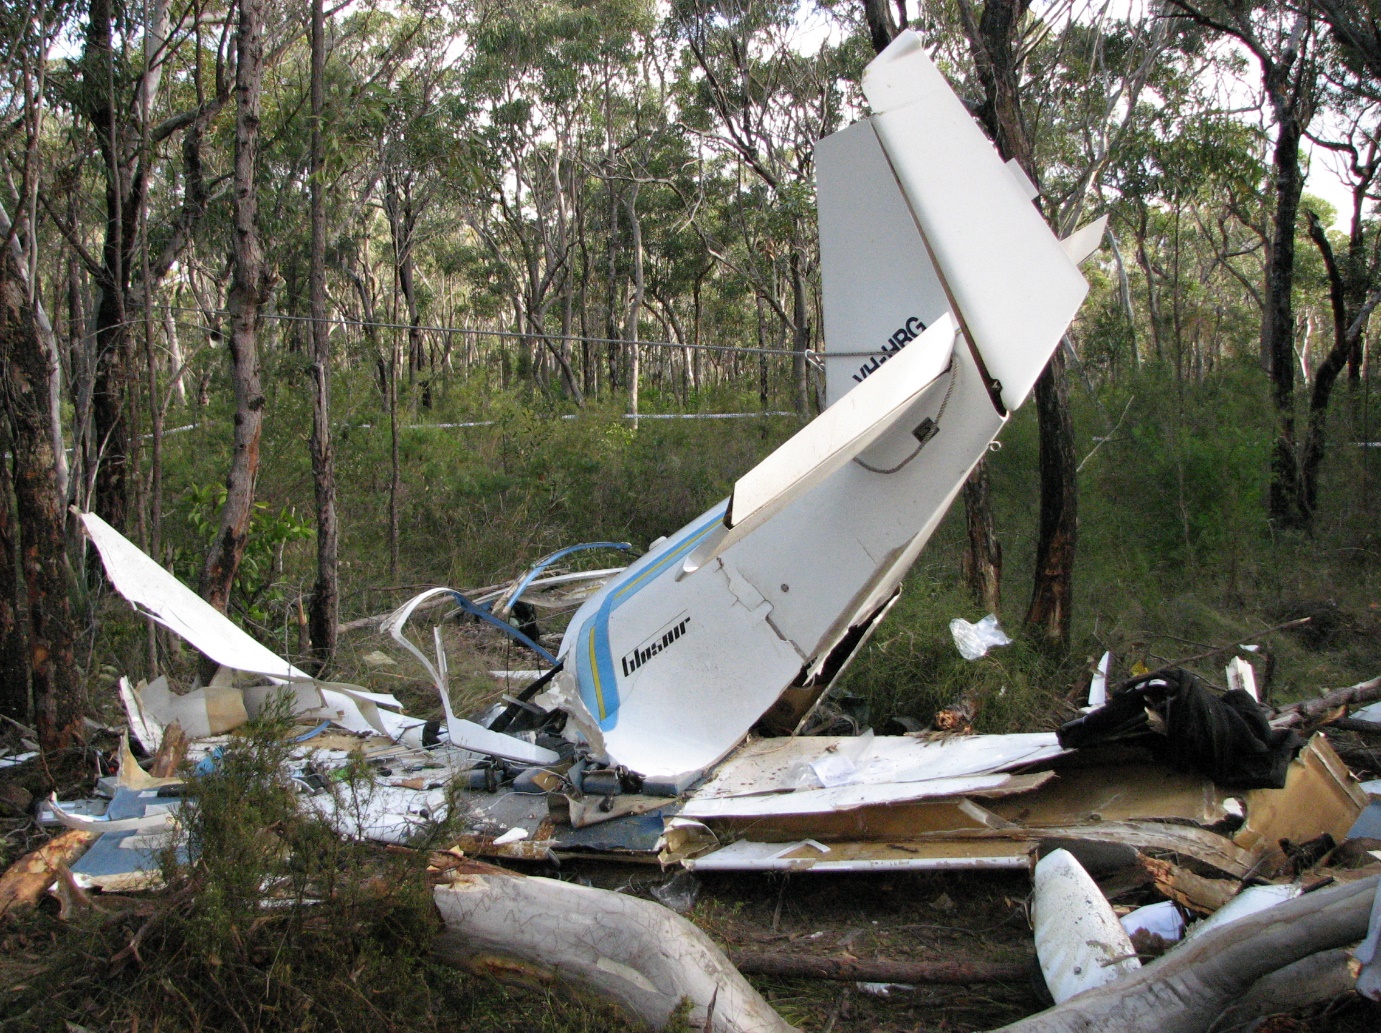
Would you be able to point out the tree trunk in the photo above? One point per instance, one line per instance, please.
(1278, 323)
(645, 958)
(882, 27)
(993, 41)
(26, 364)
(395, 480)
(800, 337)
(324, 619)
(249, 286)
(111, 383)
(1352, 309)
(870, 970)
(1051, 596)
(982, 559)
(14, 659)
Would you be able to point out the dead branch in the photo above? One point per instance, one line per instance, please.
(1310, 710)
(25, 880)
(1219, 651)
(806, 966)
(1353, 724)
(1185, 990)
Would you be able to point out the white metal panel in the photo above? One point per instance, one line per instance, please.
(880, 288)
(842, 548)
(748, 855)
(1085, 240)
(167, 600)
(774, 765)
(1079, 940)
(1014, 287)
(838, 798)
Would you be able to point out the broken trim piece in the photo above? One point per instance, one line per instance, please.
(465, 734)
(527, 579)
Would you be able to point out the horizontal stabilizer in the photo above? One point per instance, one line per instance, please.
(1085, 240)
(839, 433)
(1013, 286)
(1023, 180)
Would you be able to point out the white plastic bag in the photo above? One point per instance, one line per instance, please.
(974, 640)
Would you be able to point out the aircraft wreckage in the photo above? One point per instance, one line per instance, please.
(666, 724)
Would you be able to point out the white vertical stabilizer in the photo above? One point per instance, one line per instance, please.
(880, 287)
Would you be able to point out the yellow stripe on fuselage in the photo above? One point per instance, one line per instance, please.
(594, 675)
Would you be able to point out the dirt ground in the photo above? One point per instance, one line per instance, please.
(900, 917)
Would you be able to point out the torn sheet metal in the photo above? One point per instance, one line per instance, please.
(1120, 792)
(157, 817)
(465, 734)
(126, 858)
(855, 797)
(1320, 795)
(779, 765)
(172, 604)
(380, 812)
(814, 856)
(156, 593)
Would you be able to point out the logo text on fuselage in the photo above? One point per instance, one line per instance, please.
(654, 645)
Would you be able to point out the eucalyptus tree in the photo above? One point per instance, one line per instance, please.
(325, 609)
(1353, 277)
(250, 287)
(1284, 41)
(42, 682)
(1356, 27)
(535, 82)
(116, 87)
(759, 102)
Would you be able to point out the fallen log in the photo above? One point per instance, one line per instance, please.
(1355, 724)
(1310, 710)
(642, 956)
(863, 970)
(1316, 979)
(25, 880)
(1187, 989)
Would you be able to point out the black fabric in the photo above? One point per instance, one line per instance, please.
(1228, 738)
